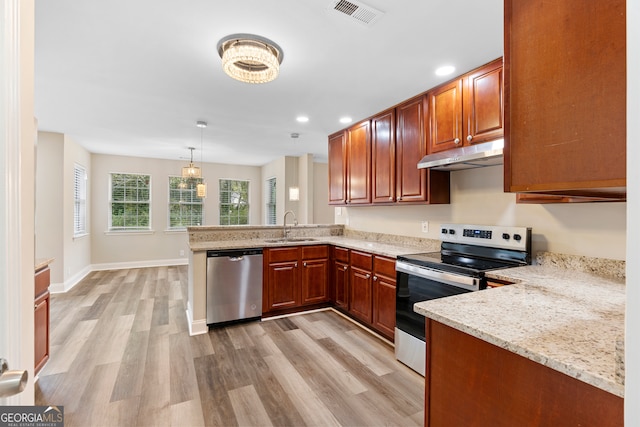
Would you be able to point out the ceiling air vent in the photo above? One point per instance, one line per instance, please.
(357, 11)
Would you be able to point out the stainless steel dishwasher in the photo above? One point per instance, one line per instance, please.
(234, 285)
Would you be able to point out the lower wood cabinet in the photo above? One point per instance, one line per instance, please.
(340, 293)
(294, 277)
(384, 295)
(360, 286)
(41, 318)
(470, 382)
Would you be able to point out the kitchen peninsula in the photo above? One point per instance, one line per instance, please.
(547, 348)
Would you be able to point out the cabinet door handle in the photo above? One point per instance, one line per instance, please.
(375, 278)
(367, 276)
(390, 198)
(295, 265)
(36, 306)
(344, 268)
(469, 138)
(304, 264)
(399, 199)
(456, 141)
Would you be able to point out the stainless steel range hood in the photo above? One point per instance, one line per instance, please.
(474, 156)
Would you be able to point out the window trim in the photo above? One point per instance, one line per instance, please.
(124, 230)
(248, 181)
(79, 203)
(169, 204)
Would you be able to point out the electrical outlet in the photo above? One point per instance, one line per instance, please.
(181, 252)
(425, 226)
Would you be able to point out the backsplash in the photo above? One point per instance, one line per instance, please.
(598, 266)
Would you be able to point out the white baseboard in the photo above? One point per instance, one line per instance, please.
(197, 327)
(139, 264)
(57, 288)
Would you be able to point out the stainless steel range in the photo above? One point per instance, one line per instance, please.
(466, 253)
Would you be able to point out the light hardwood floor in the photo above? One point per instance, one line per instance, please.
(121, 355)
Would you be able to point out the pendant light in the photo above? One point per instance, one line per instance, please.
(201, 188)
(191, 171)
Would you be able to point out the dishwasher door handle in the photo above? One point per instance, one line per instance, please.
(236, 258)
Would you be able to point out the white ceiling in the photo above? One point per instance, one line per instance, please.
(132, 77)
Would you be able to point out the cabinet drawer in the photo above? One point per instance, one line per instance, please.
(385, 267)
(282, 254)
(42, 281)
(341, 254)
(313, 252)
(362, 260)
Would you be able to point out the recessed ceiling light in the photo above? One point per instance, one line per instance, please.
(302, 119)
(346, 119)
(445, 70)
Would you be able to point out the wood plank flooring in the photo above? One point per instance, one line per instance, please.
(121, 355)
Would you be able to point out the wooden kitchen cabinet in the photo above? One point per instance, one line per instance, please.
(383, 157)
(384, 296)
(468, 110)
(565, 98)
(415, 185)
(282, 278)
(41, 318)
(359, 163)
(360, 286)
(295, 277)
(315, 274)
(337, 169)
(469, 381)
(341, 278)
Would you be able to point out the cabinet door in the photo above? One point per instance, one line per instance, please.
(314, 281)
(384, 296)
(383, 156)
(445, 113)
(483, 103)
(41, 331)
(565, 120)
(360, 298)
(359, 164)
(341, 283)
(283, 285)
(411, 147)
(337, 169)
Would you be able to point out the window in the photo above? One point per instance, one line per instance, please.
(185, 208)
(130, 204)
(270, 191)
(234, 202)
(79, 201)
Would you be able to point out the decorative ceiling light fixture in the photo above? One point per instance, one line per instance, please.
(250, 58)
(201, 188)
(191, 171)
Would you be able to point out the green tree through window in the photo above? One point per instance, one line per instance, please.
(234, 202)
(185, 208)
(130, 204)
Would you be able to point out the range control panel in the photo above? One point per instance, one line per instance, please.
(517, 238)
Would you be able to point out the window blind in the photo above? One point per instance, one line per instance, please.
(79, 200)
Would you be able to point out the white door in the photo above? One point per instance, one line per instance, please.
(16, 188)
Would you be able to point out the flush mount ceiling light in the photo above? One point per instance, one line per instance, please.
(250, 58)
(445, 70)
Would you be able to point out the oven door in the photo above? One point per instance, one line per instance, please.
(415, 284)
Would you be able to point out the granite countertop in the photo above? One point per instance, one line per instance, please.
(379, 248)
(568, 320)
(41, 263)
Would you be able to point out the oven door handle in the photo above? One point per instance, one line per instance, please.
(464, 282)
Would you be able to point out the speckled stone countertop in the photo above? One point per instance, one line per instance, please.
(567, 319)
(245, 237)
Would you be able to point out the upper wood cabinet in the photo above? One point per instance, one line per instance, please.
(383, 157)
(359, 163)
(411, 147)
(467, 110)
(338, 168)
(565, 98)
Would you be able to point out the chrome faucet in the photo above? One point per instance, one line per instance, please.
(284, 223)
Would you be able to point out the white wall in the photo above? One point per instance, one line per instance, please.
(477, 197)
(322, 212)
(108, 249)
(632, 338)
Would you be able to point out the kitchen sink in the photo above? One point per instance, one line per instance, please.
(290, 240)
